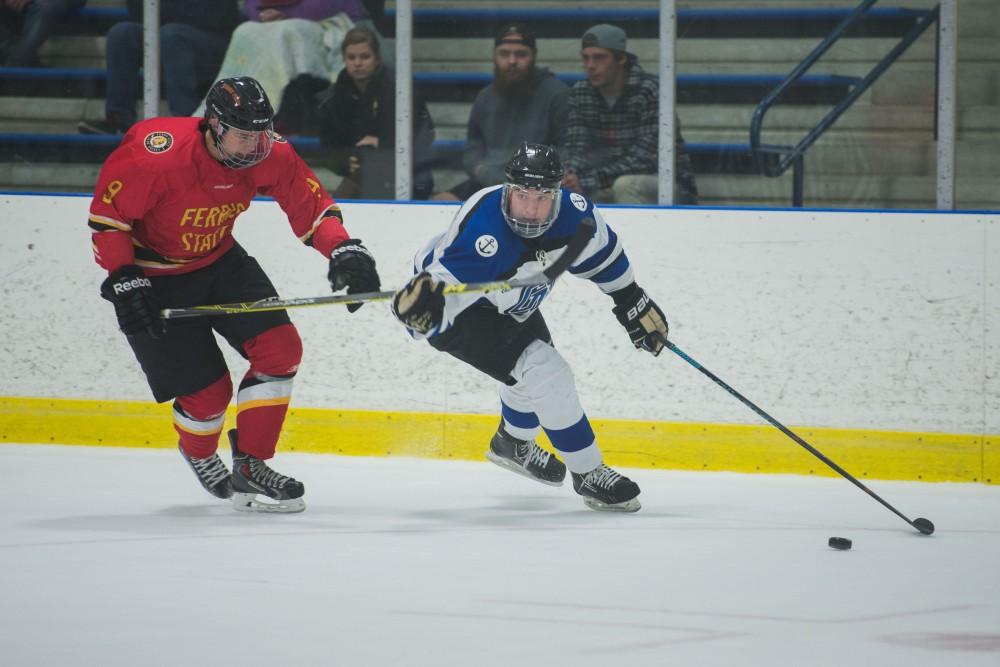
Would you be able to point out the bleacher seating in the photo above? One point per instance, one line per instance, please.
(729, 55)
(642, 22)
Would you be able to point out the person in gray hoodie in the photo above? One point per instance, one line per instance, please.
(525, 103)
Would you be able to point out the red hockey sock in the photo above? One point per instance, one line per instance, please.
(198, 417)
(266, 389)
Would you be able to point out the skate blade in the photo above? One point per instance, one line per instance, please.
(250, 502)
(627, 506)
(513, 467)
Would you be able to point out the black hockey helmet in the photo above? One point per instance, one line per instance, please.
(240, 103)
(533, 167)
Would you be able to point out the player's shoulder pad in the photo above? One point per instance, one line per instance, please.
(574, 201)
(484, 248)
(281, 156)
(162, 142)
(573, 208)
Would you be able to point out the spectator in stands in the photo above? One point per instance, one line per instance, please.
(358, 124)
(193, 38)
(612, 134)
(25, 25)
(525, 103)
(286, 38)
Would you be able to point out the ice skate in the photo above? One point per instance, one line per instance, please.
(212, 473)
(257, 488)
(605, 490)
(526, 458)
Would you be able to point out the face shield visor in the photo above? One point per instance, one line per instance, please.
(530, 211)
(242, 148)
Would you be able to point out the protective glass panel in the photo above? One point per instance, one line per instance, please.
(71, 84)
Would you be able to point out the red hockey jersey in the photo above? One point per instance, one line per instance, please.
(164, 203)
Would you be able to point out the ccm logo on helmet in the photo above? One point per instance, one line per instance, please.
(135, 283)
(634, 311)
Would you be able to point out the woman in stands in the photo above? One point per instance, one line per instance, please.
(358, 124)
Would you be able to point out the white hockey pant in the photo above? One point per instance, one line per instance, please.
(546, 388)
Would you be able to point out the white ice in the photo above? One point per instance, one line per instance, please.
(117, 557)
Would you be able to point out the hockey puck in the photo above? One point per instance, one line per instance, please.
(841, 543)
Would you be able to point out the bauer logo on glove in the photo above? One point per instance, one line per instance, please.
(642, 318)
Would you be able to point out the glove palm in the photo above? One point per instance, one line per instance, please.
(420, 304)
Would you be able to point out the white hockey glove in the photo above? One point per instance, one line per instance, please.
(641, 317)
(420, 304)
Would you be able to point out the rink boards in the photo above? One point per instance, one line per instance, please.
(873, 335)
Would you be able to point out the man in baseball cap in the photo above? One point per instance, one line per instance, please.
(611, 152)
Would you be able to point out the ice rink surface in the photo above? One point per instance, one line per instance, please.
(118, 557)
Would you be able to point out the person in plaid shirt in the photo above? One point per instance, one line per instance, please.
(612, 131)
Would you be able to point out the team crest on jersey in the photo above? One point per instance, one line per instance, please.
(158, 142)
(487, 246)
(578, 200)
(277, 137)
(529, 299)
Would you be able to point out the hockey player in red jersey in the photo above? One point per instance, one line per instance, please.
(162, 219)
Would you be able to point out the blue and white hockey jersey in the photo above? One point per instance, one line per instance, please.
(479, 246)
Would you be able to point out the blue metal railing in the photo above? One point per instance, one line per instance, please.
(793, 156)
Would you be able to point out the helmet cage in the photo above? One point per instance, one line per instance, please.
(264, 141)
(530, 228)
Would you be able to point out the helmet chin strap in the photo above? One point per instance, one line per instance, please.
(217, 131)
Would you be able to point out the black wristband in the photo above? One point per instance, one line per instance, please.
(625, 294)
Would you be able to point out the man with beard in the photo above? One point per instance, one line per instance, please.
(525, 103)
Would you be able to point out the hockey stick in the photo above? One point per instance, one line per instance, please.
(573, 249)
(923, 525)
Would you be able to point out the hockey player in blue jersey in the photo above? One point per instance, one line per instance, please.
(511, 232)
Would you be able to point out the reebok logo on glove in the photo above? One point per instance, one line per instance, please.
(350, 248)
(128, 285)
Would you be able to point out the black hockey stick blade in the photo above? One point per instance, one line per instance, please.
(924, 526)
(573, 249)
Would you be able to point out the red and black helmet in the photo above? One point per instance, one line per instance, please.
(240, 103)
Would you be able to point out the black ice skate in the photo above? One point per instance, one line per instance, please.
(212, 473)
(526, 458)
(251, 477)
(607, 491)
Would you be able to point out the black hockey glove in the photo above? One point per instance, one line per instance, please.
(135, 304)
(641, 318)
(420, 304)
(353, 267)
